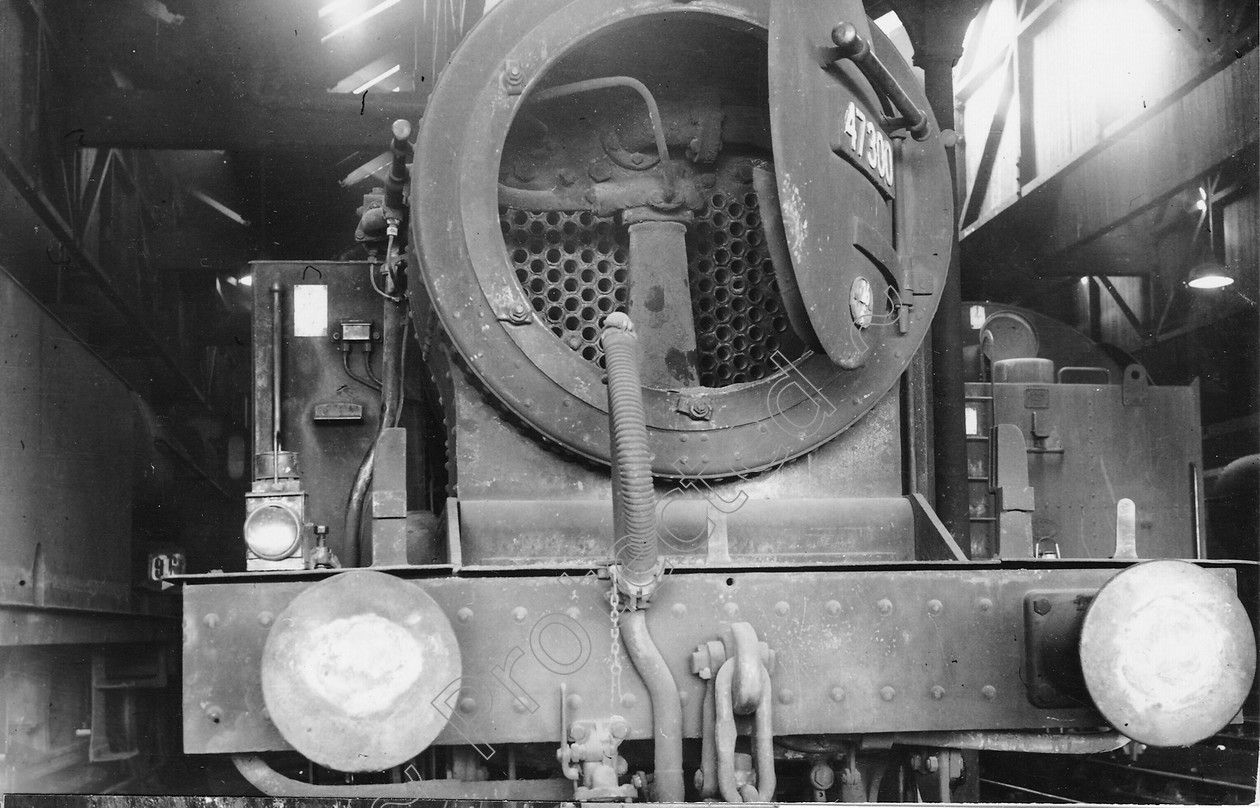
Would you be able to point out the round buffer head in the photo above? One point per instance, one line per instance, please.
(352, 669)
(1168, 653)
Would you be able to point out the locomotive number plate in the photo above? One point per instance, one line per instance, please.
(862, 142)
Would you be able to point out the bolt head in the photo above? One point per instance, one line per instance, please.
(619, 729)
(1041, 606)
(637, 158)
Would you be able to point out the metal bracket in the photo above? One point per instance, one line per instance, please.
(1134, 386)
(695, 408)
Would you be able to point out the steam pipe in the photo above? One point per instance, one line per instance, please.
(666, 707)
(636, 534)
(277, 336)
(269, 781)
(654, 113)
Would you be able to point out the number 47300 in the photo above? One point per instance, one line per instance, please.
(868, 142)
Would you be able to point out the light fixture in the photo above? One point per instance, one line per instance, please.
(273, 532)
(1209, 275)
(245, 280)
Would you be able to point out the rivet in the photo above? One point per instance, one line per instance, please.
(678, 610)
(467, 704)
(572, 612)
(833, 607)
(574, 701)
(519, 614)
(938, 692)
(781, 608)
(619, 729)
(986, 604)
(519, 705)
(211, 620)
(885, 606)
(464, 615)
(934, 606)
(214, 713)
(578, 732)
(732, 609)
(989, 692)
(887, 693)
(786, 696)
(265, 618)
(837, 693)
(629, 700)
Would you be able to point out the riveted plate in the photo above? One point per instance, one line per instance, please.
(949, 642)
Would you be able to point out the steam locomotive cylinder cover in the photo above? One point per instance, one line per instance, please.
(711, 168)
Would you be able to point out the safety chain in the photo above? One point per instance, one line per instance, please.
(614, 651)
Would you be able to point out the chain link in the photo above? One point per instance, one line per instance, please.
(614, 652)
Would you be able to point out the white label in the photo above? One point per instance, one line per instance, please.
(977, 317)
(310, 310)
(972, 418)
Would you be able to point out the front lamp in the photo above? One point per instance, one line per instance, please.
(273, 532)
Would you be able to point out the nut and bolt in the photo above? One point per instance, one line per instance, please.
(566, 177)
(513, 74)
(519, 313)
(637, 158)
(1041, 606)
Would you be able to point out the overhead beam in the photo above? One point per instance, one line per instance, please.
(1159, 152)
(162, 119)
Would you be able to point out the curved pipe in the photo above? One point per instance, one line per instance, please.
(274, 784)
(636, 532)
(654, 113)
(666, 707)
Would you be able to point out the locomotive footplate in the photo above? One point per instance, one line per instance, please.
(876, 650)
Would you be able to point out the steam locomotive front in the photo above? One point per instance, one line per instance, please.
(668, 265)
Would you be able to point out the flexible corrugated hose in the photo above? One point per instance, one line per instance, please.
(636, 534)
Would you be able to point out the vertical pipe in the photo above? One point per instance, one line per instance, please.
(660, 303)
(950, 450)
(277, 337)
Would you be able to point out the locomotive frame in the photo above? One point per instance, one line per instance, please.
(833, 623)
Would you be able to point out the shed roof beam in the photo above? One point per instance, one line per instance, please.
(1162, 150)
(159, 119)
